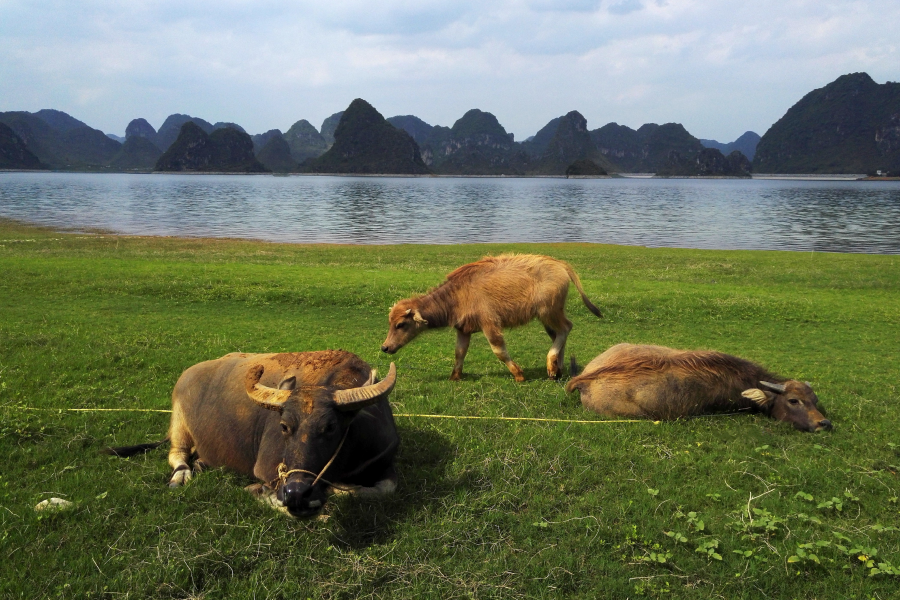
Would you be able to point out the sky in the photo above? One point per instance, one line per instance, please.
(719, 67)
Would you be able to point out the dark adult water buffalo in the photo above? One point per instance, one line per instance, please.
(300, 422)
(661, 383)
(488, 295)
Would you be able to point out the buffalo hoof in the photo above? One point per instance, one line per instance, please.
(385, 487)
(455, 376)
(180, 477)
(257, 489)
(520, 378)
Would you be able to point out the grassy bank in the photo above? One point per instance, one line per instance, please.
(728, 506)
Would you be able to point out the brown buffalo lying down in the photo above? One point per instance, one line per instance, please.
(661, 383)
(488, 295)
(296, 421)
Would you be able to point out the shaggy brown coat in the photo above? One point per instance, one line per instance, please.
(489, 295)
(660, 383)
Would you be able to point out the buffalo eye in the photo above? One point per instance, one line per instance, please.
(400, 325)
(794, 401)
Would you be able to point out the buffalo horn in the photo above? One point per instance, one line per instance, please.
(356, 398)
(269, 398)
(775, 387)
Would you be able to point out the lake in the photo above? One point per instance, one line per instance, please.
(822, 216)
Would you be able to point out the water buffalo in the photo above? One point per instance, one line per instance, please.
(488, 295)
(302, 423)
(662, 383)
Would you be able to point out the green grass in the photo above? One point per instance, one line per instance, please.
(727, 506)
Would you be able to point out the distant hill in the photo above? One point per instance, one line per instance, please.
(584, 167)
(364, 142)
(224, 124)
(224, 150)
(65, 144)
(746, 145)
(305, 142)
(852, 125)
(59, 120)
(171, 129)
(570, 144)
(414, 126)
(329, 126)
(536, 144)
(276, 156)
(115, 137)
(620, 144)
(140, 128)
(14, 154)
(477, 144)
(136, 154)
(646, 150)
(709, 162)
(261, 139)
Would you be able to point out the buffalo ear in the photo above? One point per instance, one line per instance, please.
(288, 384)
(759, 397)
(417, 317)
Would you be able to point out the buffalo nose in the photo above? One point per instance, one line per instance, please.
(296, 491)
(384, 348)
(826, 424)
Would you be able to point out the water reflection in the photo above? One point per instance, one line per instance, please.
(785, 215)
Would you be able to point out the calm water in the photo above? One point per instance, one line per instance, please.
(829, 216)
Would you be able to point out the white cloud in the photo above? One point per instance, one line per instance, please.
(719, 68)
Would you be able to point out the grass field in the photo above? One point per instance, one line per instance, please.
(713, 507)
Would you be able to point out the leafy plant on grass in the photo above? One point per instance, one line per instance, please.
(642, 549)
(805, 552)
(694, 522)
(837, 504)
(760, 524)
(710, 548)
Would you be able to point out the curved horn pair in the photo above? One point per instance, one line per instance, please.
(352, 399)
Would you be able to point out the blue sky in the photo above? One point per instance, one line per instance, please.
(718, 67)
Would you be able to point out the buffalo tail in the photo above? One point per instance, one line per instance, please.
(125, 451)
(574, 369)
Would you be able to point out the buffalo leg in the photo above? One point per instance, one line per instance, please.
(557, 351)
(462, 346)
(498, 345)
(555, 356)
(551, 332)
(180, 449)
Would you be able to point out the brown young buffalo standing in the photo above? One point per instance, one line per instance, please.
(661, 383)
(296, 421)
(489, 295)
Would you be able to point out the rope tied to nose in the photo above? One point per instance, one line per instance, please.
(284, 472)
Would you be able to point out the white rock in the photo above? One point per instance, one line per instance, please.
(53, 504)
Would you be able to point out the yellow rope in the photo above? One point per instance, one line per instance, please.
(406, 415)
(459, 417)
(159, 410)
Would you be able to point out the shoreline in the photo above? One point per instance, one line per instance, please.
(754, 176)
(98, 233)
